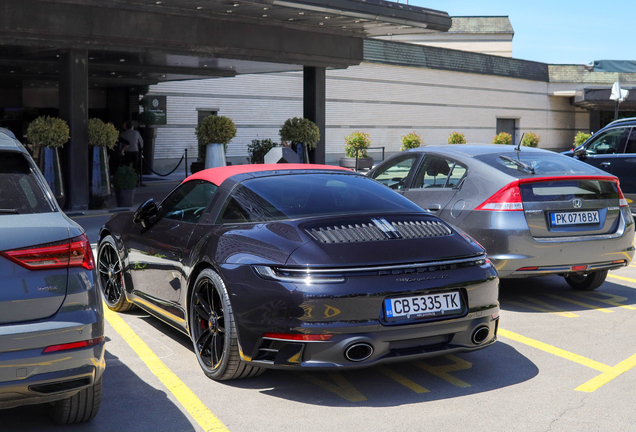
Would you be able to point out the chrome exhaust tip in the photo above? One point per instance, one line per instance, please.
(480, 334)
(358, 352)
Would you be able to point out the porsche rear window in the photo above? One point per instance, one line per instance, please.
(543, 163)
(20, 193)
(307, 195)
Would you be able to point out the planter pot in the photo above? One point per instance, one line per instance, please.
(125, 198)
(362, 163)
(99, 178)
(214, 155)
(197, 166)
(49, 164)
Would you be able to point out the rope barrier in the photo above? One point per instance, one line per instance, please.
(164, 175)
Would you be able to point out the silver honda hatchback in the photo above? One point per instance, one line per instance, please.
(51, 316)
(536, 212)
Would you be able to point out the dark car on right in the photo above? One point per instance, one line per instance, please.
(613, 149)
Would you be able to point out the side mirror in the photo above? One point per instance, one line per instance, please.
(580, 152)
(146, 211)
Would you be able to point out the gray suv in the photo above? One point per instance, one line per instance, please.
(51, 316)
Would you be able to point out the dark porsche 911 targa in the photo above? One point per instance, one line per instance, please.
(299, 266)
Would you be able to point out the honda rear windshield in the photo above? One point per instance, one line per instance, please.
(20, 192)
(567, 190)
(532, 163)
(306, 195)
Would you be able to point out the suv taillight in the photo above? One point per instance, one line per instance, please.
(507, 198)
(75, 252)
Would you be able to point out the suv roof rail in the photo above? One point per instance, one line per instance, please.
(622, 120)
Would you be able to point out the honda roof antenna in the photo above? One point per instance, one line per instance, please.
(518, 148)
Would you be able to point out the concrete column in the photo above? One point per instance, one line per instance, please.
(74, 109)
(314, 106)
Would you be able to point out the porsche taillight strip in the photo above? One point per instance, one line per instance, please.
(365, 232)
(75, 252)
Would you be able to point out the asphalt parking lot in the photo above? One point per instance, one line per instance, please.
(564, 361)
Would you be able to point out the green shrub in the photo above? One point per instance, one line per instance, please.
(502, 138)
(102, 134)
(411, 141)
(530, 139)
(125, 178)
(300, 130)
(580, 138)
(357, 140)
(258, 149)
(456, 138)
(48, 132)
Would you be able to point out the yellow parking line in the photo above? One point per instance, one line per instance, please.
(610, 299)
(554, 350)
(401, 379)
(578, 303)
(622, 278)
(547, 307)
(607, 376)
(197, 409)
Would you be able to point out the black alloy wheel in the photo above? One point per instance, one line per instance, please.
(586, 282)
(111, 276)
(213, 331)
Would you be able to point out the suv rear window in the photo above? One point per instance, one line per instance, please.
(306, 195)
(543, 163)
(20, 192)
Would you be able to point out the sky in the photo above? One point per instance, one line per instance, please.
(557, 31)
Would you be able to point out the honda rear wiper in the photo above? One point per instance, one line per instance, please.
(520, 164)
(9, 211)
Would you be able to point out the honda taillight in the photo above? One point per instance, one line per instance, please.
(621, 198)
(507, 198)
(75, 252)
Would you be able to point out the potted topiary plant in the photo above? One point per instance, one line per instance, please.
(456, 138)
(214, 133)
(356, 145)
(101, 137)
(410, 141)
(502, 138)
(530, 139)
(303, 134)
(125, 182)
(49, 134)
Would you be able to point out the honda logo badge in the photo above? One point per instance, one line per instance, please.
(577, 203)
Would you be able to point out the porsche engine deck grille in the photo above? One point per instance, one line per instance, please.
(379, 229)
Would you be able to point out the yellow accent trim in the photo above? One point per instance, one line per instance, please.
(554, 350)
(606, 377)
(401, 379)
(197, 409)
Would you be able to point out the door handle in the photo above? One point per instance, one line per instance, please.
(605, 164)
(434, 207)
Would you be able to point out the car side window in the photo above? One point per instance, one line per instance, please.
(395, 174)
(189, 201)
(438, 172)
(631, 142)
(608, 142)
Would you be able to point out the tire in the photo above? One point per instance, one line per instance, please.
(110, 276)
(213, 330)
(586, 282)
(79, 408)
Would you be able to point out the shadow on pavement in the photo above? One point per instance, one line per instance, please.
(125, 407)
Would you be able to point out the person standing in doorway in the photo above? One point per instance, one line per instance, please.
(131, 152)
